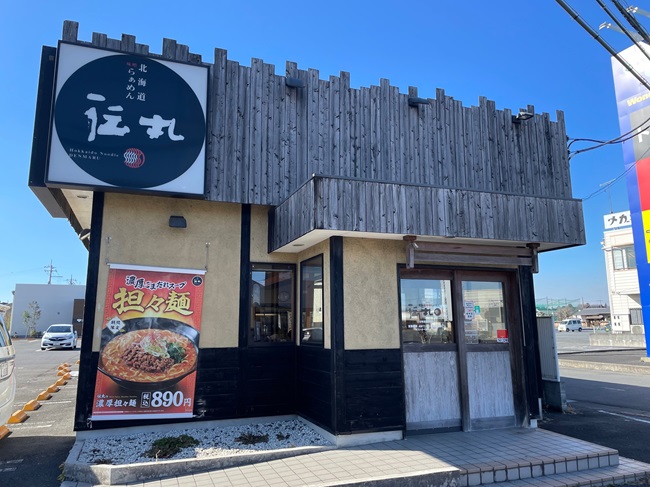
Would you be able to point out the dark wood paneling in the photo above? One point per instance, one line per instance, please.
(88, 360)
(314, 385)
(531, 357)
(373, 388)
(268, 380)
(337, 320)
(217, 383)
(230, 383)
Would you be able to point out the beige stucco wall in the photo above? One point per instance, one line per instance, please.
(136, 231)
(370, 292)
(260, 239)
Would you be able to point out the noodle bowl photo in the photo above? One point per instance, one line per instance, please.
(149, 353)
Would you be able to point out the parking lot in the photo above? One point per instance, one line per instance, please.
(32, 453)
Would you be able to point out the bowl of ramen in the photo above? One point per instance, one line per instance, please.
(149, 353)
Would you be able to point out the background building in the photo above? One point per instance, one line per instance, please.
(58, 304)
(622, 276)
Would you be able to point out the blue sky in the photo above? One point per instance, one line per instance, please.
(515, 53)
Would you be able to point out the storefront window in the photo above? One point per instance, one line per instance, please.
(311, 301)
(271, 304)
(484, 312)
(426, 311)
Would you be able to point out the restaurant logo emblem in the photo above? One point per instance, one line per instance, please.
(133, 158)
(114, 110)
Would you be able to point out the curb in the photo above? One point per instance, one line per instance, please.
(121, 474)
(20, 416)
(631, 369)
(600, 350)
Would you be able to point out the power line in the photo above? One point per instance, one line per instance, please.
(618, 140)
(632, 21)
(577, 139)
(574, 15)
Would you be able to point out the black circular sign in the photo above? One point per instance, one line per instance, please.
(129, 121)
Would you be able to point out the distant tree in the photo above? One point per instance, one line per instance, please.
(565, 311)
(31, 317)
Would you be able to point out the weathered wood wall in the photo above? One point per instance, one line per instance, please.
(356, 205)
(266, 139)
(490, 385)
(431, 390)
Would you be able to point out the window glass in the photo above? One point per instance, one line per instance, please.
(426, 314)
(4, 336)
(311, 301)
(271, 304)
(484, 312)
(624, 258)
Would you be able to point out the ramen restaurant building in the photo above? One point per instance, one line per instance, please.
(359, 257)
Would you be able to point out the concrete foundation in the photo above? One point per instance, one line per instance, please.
(554, 395)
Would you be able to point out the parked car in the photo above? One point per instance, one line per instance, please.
(59, 336)
(7, 374)
(570, 325)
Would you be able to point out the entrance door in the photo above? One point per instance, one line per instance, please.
(456, 328)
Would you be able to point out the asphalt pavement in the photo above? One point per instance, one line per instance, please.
(33, 453)
(608, 397)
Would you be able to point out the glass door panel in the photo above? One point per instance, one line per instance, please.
(484, 312)
(426, 311)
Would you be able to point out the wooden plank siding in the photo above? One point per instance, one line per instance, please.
(369, 133)
(360, 205)
(437, 168)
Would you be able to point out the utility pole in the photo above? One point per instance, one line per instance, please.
(50, 270)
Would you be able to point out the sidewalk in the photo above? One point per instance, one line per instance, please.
(510, 457)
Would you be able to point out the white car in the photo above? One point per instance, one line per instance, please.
(59, 336)
(7, 374)
(570, 325)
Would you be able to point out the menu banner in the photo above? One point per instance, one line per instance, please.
(149, 343)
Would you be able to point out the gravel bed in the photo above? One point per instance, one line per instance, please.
(213, 442)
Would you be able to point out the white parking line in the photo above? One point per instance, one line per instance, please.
(24, 426)
(624, 416)
(19, 460)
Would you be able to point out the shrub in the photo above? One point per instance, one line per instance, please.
(252, 439)
(170, 445)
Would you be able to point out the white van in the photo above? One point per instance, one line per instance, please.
(570, 325)
(7, 374)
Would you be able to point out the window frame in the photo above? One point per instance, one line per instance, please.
(426, 273)
(271, 267)
(308, 262)
(624, 252)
